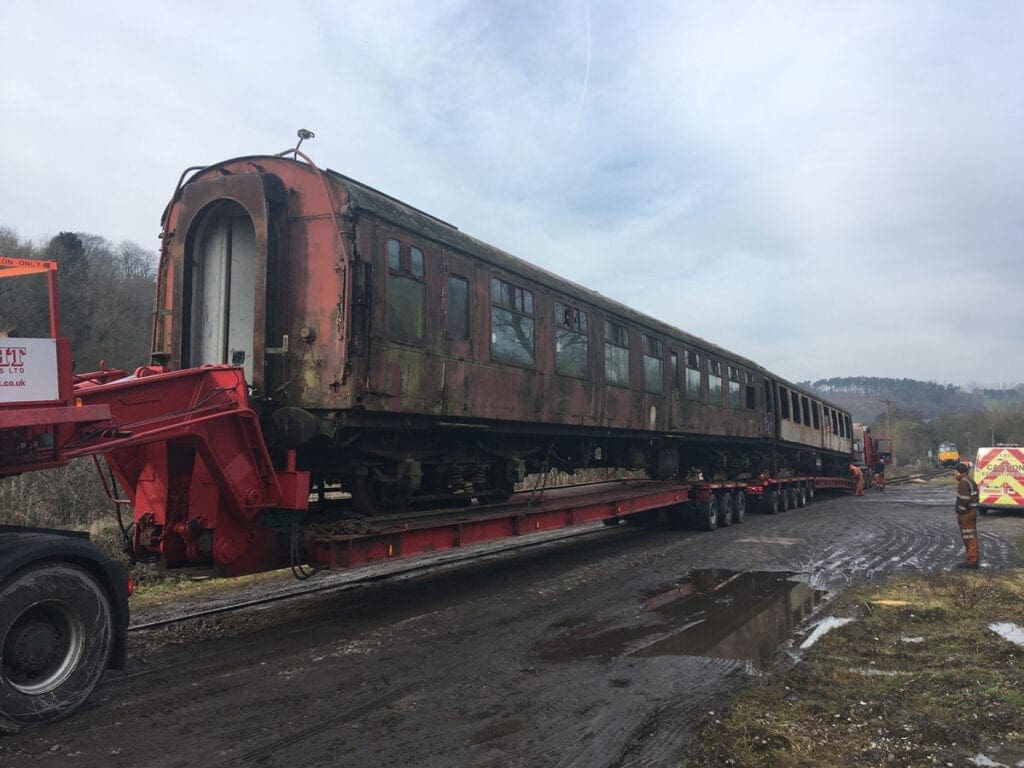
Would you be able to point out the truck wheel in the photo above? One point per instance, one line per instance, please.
(725, 510)
(801, 496)
(810, 492)
(739, 507)
(784, 499)
(56, 636)
(707, 514)
(771, 502)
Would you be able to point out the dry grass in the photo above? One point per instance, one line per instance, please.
(66, 497)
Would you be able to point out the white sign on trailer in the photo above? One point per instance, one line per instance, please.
(28, 370)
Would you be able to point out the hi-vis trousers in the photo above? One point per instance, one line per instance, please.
(968, 522)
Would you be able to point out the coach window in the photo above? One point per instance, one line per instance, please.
(692, 373)
(796, 406)
(654, 365)
(835, 423)
(751, 393)
(674, 363)
(512, 333)
(784, 401)
(849, 430)
(805, 406)
(458, 308)
(735, 398)
(571, 346)
(616, 354)
(406, 292)
(815, 405)
(714, 381)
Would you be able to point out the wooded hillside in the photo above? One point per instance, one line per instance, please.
(869, 397)
(106, 297)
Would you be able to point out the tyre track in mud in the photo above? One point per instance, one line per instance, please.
(447, 669)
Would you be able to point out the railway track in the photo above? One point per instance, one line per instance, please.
(918, 476)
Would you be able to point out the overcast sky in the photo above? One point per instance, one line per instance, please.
(829, 188)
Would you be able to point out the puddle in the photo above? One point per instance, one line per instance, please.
(823, 626)
(1003, 761)
(715, 613)
(1012, 632)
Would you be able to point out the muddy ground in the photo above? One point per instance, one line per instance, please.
(607, 650)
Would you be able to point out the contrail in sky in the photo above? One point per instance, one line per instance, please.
(586, 76)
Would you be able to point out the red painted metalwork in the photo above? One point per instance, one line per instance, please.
(32, 433)
(187, 448)
(819, 483)
(834, 483)
(561, 509)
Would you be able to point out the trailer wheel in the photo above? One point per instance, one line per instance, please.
(810, 492)
(794, 497)
(771, 502)
(725, 510)
(739, 507)
(56, 636)
(707, 514)
(801, 496)
(784, 500)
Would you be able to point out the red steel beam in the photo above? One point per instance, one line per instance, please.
(338, 551)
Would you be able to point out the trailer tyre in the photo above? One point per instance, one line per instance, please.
(771, 502)
(801, 496)
(784, 498)
(810, 492)
(56, 636)
(707, 514)
(739, 507)
(725, 510)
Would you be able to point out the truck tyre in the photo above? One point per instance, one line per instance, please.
(810, 491)
(801, 496)
(56, 636)
(771, 502)
(784, 499)
(739, 507)
(725, 510)
(707, 514)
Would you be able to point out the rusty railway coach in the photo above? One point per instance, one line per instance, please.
(408, 362)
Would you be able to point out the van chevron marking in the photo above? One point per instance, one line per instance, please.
(999, 474)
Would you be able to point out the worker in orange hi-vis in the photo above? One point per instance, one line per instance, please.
(967, 513)
(858, 478)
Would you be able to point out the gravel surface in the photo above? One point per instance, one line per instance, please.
(603, 650)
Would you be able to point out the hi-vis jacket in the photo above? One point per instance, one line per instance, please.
(966, 495)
